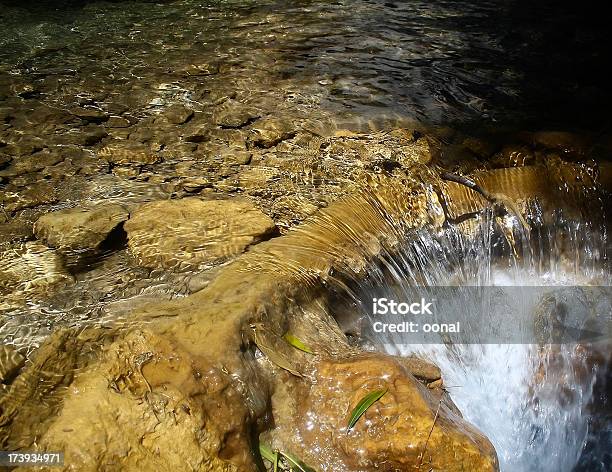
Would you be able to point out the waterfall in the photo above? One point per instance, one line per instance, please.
(538, 402)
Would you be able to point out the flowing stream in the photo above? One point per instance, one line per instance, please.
(75, 76)
(543, 405)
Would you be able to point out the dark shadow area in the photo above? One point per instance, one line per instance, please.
(560, 50)
(477, 66)
(86, 261)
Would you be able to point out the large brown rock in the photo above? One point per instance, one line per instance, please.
(79, 228)
(178, 114)
(192, 233)
(146, 406)
(409, 428)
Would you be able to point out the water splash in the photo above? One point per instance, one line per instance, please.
(534, 401)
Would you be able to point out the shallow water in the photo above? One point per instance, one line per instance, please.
(482, 67)
(483, 64)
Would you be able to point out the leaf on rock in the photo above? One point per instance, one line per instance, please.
(365, 403)
(296, 343)
(296, 464)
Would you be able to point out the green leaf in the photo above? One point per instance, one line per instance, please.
(267, 453)
(296, 343)
(365, 403)
(296, 464)
(262, 340)
(273, 456)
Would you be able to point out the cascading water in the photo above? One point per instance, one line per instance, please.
(543, 405)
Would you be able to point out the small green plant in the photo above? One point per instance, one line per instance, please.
(363, 405)
(283, 460)
(296, 343)
(269, 455)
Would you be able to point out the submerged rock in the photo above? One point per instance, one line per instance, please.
(178, 114)
(79, 228)
(124, 153)
(233, 114)
(10, 362)
(89, 114)
(33, 195)
(35, 162)
(270, 131)
(30, 266)
(190, 233)
(118, 122)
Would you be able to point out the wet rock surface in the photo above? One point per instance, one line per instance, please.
(130, 390)
(210, 154)
(11, 360)
(191, 233)
(36, 267)
(408, 428)
(79, 228)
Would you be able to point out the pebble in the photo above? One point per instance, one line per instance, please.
(178, 114)
(117, 122)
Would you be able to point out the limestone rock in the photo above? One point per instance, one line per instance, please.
(24, 146)
(190, 233)
(145, 406)
(10, 362)
(79, 228)
(194, 184)
(271, 131)
(257, 178)
(421, 368)
(234, 114)
(235, 156)
(407, 429)
(36, 161)
(89, 114)
(117, 122)
(35, 194)
(30, 266)
(178, 114)
(93, 135)
(124, 153)
(289, 210)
